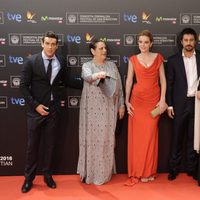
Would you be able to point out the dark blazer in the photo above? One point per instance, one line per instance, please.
(177, 81)
(35, 85)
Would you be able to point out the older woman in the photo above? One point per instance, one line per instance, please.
(101, 101)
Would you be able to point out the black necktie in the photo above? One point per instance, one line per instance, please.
(49, 69)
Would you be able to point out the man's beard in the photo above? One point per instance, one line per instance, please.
(189, 48)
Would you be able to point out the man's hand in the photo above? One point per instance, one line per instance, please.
(170, 112)
(42, 110)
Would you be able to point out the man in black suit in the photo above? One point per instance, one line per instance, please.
(42, 84)
(183, 70)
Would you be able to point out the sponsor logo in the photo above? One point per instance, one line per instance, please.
(117, 41)
(88, 37)
(14, 17)
(1, 18)
(17, 101)
(6, 161)
(86, 18)
(2, 60)
(15, 81)
(72, 61)
(3, 102)
(145, 18)
(164, 39)
(190, 18)
(16, 60)
(185, 19)
(53, 19)
(130, 40)
(74, 39)
(14, 39)
(158, 39)
(2, 41)
(125, 59)
(71, 18)
(29, 39)
(74, 101)
(30, 17)
(166, 19)
(3, 83)
(130, 18)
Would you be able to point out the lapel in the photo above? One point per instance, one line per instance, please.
(60, 70)
(40, 65)
(182, 66)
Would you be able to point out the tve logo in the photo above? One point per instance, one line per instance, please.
(125, 59)
(17, 101)
(14, 17)
(74, 39)
(130, 18)
(16, 60)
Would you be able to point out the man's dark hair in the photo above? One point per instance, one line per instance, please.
(188, 31)
(50, 34)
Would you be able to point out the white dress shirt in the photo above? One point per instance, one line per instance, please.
(191, 73)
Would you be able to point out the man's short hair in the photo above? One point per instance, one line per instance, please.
(50, 34)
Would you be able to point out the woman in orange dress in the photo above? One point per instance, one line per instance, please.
(141, 99)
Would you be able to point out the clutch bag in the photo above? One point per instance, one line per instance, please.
(155, 112)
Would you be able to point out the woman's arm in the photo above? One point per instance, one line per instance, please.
(129, 83)
(89, 76)
(163, 85)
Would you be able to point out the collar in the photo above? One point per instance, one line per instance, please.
(47, 58)
(194, 54)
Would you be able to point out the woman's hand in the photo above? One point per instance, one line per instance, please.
(130, 108)
(198, 94)
(162, 105)
(121, 112)
(101, 75)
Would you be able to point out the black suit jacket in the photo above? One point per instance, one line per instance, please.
(177, 81)
(35, 85)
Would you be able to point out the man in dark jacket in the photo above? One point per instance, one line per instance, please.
(42, 84)
(183, 70)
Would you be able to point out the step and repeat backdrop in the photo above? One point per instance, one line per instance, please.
(77, 22)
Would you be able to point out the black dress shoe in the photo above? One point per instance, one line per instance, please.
(49, 181)
(27, 186)
(172, 176)
(193, 174)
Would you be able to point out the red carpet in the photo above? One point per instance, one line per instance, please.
(70, 188)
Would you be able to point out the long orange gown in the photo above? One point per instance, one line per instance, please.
(142, 127)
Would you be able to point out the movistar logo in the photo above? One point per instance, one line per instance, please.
(103, 39)
(44, 18)
(159, 19)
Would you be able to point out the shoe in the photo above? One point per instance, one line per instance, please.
(144, 180)
(131, 181)
(26, 187)
(172, 176)
(193, 174)
(151, 178)
(50, 182)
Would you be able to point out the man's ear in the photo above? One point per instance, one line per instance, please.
(42, 44)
